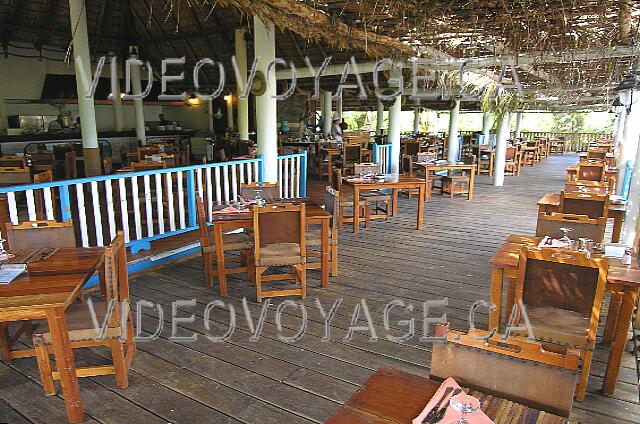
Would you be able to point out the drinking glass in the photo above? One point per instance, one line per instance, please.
(466, 404)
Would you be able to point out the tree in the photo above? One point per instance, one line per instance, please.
(568, 122)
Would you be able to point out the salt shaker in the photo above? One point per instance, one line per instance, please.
(626, 258)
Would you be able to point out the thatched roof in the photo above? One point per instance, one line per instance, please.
(573, 50)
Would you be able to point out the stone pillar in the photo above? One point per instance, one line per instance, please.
(138, 105)
(394, 134)
(243, 104)
(118, 118)
(82, 62)
(379, 117)
(501, 150)
(452, 145)
(266, 117)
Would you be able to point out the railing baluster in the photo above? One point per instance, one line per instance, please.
(82, 215)
(249, 176)
(296, 171)
(110, 209)
(31, 205)
(285, 178)
(218, 189)
(209, 194)
(13, 208)
(97, 214)
(172, 214)
(48, 203)
(241, 172)
(159, 205)
(181, 212)
(124, 209)
(136, 207)
(234, 182)
(147, 205)
(225, 181)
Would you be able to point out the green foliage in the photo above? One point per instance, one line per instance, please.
(568, 122)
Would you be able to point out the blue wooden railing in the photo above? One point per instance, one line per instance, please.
(382, 155)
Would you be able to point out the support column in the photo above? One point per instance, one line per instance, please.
(501, 150)
(229, 101)
(4, 122)
(92, 163)
(118, 118)
(416, 117)
(210, 115)
(630, 226)
(486, 127)
(379, 117)
(326, 113)
(394, 134)
(243, 104)
(339, 107)
(266, 117)
(452, 146)
(516, 133)
(138, 105)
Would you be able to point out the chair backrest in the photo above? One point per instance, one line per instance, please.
(578, 203)
(107, 166)
(147, 166)
(331, 205)
(597, 153)
(582, 226)
(538, 377)
(279, 223)
(15, 176)
(147, 151)
(468, 159)
(43, 177)
(593, 187)
(511, 153)
(336, 181)
(411, 147)
(201, 217)
(116, 276)
(568, 282)
(39, 234)
(591, 171)
(13, 162)
(267, 191)
(352, 153)
(70, 165)
(367, 168)
(45, 157)
(407, 165)
(427, 157)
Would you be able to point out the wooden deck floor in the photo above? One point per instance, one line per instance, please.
(273, 381)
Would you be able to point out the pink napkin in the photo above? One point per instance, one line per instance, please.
(230, 209)
(554, 243)
(451, 415)
(360, 180)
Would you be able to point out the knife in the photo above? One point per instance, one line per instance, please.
(440, 414)
(434, 410)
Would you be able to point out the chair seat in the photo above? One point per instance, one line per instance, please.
(230, 242)
(457, 177)
(314, 238)
(280, 254)
(80, 324)
(347, 202)
(376, 196)
(558, 326)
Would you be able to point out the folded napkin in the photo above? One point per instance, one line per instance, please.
(360, 180)
(230, 210)
(549, 242)
(451, 416)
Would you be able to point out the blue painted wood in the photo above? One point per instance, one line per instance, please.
(191, 197)
(628, 173)
(65, 204)
(261, 168)
(303, 175)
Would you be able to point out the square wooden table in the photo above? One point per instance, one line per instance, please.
(432, 167)
(550, 202)
(45, 292)
(611, 174)
(623, 282)
(394, 182)
(392, 396)
(315, 215)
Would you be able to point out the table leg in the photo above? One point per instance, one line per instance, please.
(356, 209)
(617, 228)
(511, 295)
(629, 300)
(472, 180)
(422, 188)
(65, 362)
(325, 253)
(394, 209)
(220, 265)
(497, 275)
(612, 318)
(491, 157)
(5, 343)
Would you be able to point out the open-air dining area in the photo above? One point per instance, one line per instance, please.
(344, 212)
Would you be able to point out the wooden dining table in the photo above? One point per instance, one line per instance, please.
(393, 396)
(433, 167)
(394, 182)
(550, 202)
(315, 215)
(623, 282)
(610, 173)
(44, 292)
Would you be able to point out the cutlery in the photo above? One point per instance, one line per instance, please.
(440, 414)
(434, 410)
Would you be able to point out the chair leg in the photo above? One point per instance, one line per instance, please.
(259, 271)
(387, 210)
(44, 366)
(119, 363)
(301, 273)
(334, 260)
(207, 267)
(5, 344)
(367, 215)
(581, 389)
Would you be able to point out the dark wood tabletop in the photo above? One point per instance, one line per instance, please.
(312, 211)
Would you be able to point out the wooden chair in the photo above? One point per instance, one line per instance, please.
(267, 191)
(13, 162)
(562, 296)
(39, 195)
(411, 148)
(347, 202)
(70, 166)
(593, 187)
(118, 335)
(228, 243)
(143, 152)
(314, 235)
(458, 182)
(512, 163)
(582, 226)
(40, 234)
(107, 166)
(597, 154)
(41, 158)
(591, 171)
(15, 176)
(280, 240)
(351, 155)
(538, 375)
(148, 166)
(592, 205)
(557, 147)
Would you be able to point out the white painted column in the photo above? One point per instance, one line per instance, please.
(630, 226)
(229, 101)
(266, 117)
(326, 113)
(339, 108)
(486, 126)
(118, 118)
(379, 117)
(516, 133)
(243, 104)
(77, 12)
(501, 150)
(394, 134)
(210, 115)
(452, 146)
(138, 105)
(416, 117)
